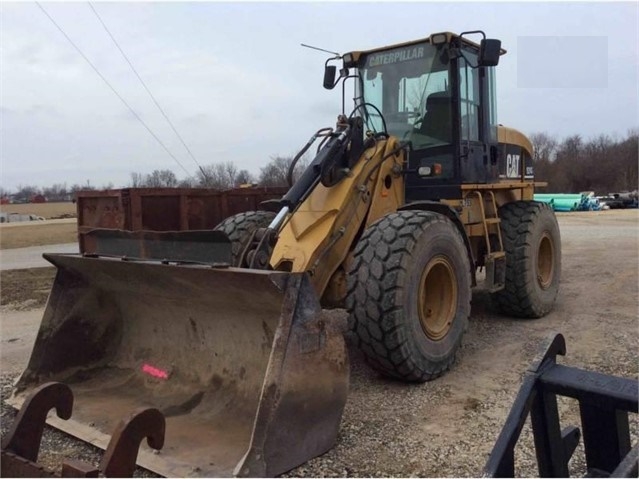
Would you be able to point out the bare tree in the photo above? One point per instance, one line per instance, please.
(544, 146)
(211, 176)
(627, 165)
(231, 173)
(161, 179)
(568, 167)
(188, 182)
(24, 193)
(137, 180)
(74, 189)
(57, 192)
(544, 149)
(220, 176)
(275, 172)
(243, 177)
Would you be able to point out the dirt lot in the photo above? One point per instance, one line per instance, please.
(46, 210)
(26, 288)
(446, 427)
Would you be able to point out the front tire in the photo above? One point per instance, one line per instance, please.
(532, 242)
(240, 227)
(409, 292)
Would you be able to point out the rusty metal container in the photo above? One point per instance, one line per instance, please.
(163, 209)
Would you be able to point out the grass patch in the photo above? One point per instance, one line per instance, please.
(37, 234)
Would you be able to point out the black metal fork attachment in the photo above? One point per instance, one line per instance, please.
(604, 404)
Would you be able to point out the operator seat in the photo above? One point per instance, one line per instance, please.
(438, 120)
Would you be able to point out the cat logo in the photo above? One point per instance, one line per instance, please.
(512, 166)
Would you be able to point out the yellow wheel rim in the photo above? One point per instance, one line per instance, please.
(545, 261)
(437, 298)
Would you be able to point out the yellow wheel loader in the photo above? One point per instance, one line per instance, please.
(415, 190)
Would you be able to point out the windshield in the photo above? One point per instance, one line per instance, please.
(410, 87)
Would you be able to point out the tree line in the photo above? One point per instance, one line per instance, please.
(222, 176)
(54, 193)
(219, 176)
(602, 164)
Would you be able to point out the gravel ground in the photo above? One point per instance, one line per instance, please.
(447, 428)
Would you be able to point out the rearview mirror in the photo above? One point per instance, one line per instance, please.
(489, 50)
(329, 76)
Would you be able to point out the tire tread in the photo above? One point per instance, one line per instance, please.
(380, 334)
(518, 219)
(240, 227)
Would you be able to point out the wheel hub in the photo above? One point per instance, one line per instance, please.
(545, 261)
(437, 298)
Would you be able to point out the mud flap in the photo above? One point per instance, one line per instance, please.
(250, 374)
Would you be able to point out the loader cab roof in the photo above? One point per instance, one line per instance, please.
(351, 59)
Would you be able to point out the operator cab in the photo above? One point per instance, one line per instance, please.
(438, 95)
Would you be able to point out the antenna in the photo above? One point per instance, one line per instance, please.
(320, 49)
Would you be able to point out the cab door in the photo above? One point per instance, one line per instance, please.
(473, 158)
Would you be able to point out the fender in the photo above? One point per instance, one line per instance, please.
(451, 214)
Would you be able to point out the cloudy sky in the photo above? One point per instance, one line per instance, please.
(236, 84)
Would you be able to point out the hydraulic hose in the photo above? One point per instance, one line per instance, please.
(311, 175)
(322, 132)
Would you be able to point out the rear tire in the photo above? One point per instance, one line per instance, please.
(532, 242)
(409, 294)
(240, 227)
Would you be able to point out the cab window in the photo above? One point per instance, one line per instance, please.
(469, 98)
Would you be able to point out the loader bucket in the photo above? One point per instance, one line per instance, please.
(251, 376)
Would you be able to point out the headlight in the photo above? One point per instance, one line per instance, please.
(438, 38)
(424, 171)
(434, 170)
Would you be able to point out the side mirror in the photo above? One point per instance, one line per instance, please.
(489, 49)
(329, 76)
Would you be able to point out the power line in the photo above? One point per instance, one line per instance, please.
(112, 89)
(144, 85)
